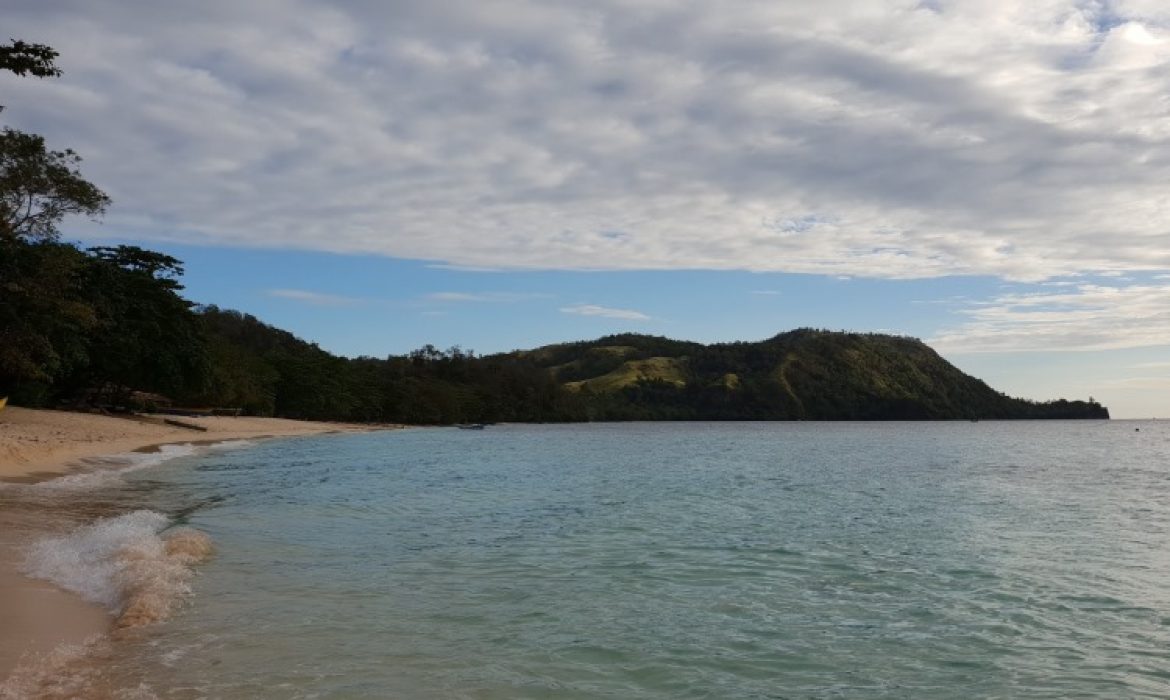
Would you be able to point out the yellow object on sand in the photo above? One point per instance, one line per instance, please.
(3, 402)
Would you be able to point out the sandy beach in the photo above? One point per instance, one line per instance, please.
(36, 617)
(38, 444)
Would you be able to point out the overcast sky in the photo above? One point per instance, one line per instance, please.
(988, 175)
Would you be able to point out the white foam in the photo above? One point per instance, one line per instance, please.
(124, 563)
(56, 674)
(112, 468)
(70, 672)
(86, 560)
(228, 445)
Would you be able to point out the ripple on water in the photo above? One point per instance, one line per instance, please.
(668, 561)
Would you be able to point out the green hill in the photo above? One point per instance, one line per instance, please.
(671, 370)
(803, 374)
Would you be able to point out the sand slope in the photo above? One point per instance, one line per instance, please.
(33, 442)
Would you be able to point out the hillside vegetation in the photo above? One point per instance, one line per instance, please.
(205, 356)
(803, 374)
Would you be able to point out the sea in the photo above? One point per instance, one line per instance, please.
(635, 561)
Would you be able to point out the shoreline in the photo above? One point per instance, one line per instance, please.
(37, 617)
(36, 445)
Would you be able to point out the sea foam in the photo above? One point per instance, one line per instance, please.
(132, 564)
(110, 469)
(71, 672)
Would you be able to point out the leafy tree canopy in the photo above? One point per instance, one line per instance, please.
(161, 267)
(39, 187)
(23, 58)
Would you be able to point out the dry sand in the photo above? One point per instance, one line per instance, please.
(36, 617)
(40, 444)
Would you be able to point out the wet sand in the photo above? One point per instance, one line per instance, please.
(37, 618)
(36, 445)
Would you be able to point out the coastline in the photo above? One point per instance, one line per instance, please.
(36, 617)
(39, 444)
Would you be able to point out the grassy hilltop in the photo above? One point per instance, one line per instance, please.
(803, 374)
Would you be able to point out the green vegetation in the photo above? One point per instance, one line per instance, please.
(804, 374)
(106, 325)
(669, 370)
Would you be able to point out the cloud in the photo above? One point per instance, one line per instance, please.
(605, 312)
(1089, 317)
(854, 138)
(484, 297)
(1140, 383)
(314, 298)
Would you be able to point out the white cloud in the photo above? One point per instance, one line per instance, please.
(1141, 383)
(1089, 317)
(847, 137)
(314, 298)
(605, 312)
(484, 297)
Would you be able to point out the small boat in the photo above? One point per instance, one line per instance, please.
(471, 426)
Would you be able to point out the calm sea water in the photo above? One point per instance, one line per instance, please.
(792, 560)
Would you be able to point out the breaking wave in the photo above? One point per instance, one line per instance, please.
(135, 565)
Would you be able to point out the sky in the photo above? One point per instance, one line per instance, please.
(989, 176)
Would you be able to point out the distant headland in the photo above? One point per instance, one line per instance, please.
(106, 328)
(230, 359)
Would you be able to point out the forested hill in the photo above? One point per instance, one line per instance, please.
(799, 375)
(803, 374)
(107, 326)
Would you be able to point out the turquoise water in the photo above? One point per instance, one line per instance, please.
(800, 560)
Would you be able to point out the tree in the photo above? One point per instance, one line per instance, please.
(28, 59)
(45, 317)
(24, 58)
(146, 336)
(162, 268)
(39, 188)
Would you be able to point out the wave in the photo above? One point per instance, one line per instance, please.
(135, 564)
(110, 469)
(71, 672)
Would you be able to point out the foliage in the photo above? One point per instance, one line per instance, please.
(39, 188)
(44, 316)
(670, 370)
(146, 336)
(72, 321)
(112, 317)
(24, 58)
(804, 374)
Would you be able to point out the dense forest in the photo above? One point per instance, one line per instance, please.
(108, 326)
